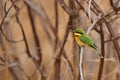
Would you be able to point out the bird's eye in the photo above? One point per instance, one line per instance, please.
(80, 33)
(76, 36)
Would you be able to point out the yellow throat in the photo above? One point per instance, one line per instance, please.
(77, 39)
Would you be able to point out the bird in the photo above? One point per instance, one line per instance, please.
(84, 40)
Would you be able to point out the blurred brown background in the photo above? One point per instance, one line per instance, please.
(37, 43)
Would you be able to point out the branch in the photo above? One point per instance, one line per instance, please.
(89, 8)
(24, 37)
(102, 52)
(102, 41)
(117, 47)
(56, 24)
(2, 59)
(104, 16)
(91, 27)
(44, 19)
(111, 33)
(37, 42)
(26, 42)
(69, 68)
(80, 64)
(111, 39)
(3, 20)
(58, 55)
(65, 7)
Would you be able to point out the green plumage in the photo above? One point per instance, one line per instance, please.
(84, 40)
(87, 40)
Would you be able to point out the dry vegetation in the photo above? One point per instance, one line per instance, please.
(37, 43)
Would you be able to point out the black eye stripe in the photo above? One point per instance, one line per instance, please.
(79, 32)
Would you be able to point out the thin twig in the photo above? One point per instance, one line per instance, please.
(102, 41)
(110, 73)
(37, 42)
(56, 24)
(58, 55)
(26, 43)
(104, 16)
(57, 61)
(65, 7)
(117, 47)
(44, 19)
(80, 6)
(110, 30)
(81, 51)
(68, 63)
(89, 8)
(80, 64)
(93, 8)
(91, 27)
(3, 20)
(69, 69)
(10, 65)
(111, 39)
(2, 59)
(25, 39)
(46, 22)
(24, 72)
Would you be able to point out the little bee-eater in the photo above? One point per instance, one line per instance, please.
(84, 40)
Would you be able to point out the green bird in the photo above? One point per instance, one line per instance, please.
(83, 39)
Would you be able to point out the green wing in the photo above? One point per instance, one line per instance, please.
(87, 40)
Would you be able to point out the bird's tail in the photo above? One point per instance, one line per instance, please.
(99, 53)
